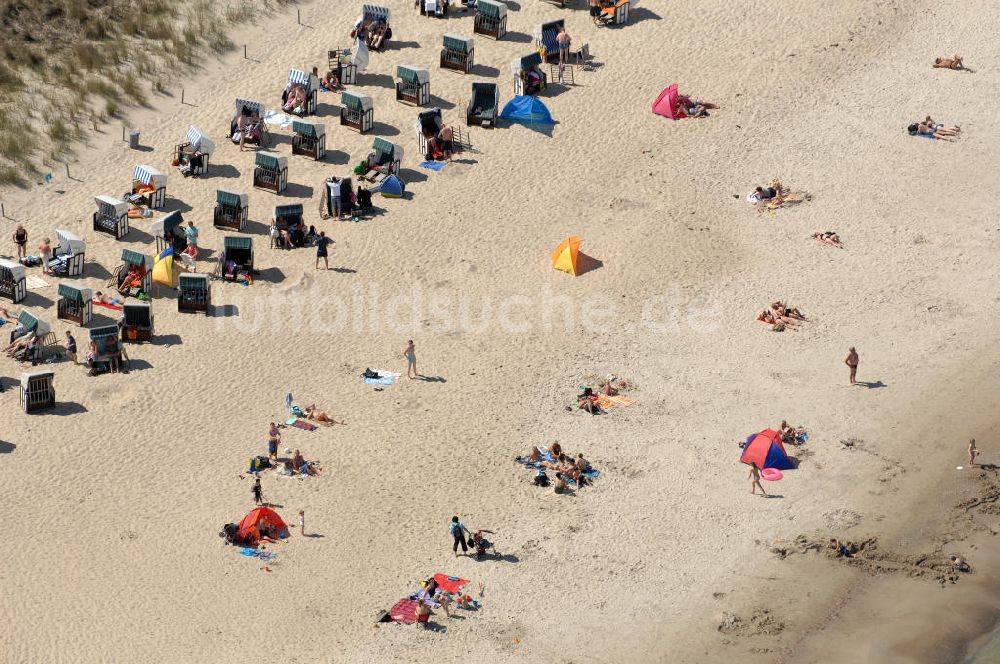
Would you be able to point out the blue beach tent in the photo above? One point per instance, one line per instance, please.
(527, 110)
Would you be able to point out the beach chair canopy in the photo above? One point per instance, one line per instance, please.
(311, 129)
(75, 293)
(253, 107)
(355, 101)
(237, 242)
(485, 96)
(458, 43)
(290, 210)
(136, 258)
(26, 321)
(545, 34)
(411, 74)
(271, 160)
(491, 8)
(15, 269)
(388, 148)
(137, 313)
(199, 142)
(111, 205)
(527, 62)
(375, 12)
(429, 122)
(149, 176)
(192, 281)
(99, 333)
(168, 224)
(765, 449)
(228, 198)
(259, 519)
(33, 376)
(69, 244)
(527, 110)
(297, 77)
(667, 104)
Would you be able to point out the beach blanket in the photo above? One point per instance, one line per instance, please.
(301, 424)
(116, 307)
(266, 556)
(383, 372)
(404, 611)
(435, 166)
(277, 119)
(592, 474)
(450, 584)
(383, 380)
(33, 283)
(624, 402)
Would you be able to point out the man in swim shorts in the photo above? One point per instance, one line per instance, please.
(410, 354)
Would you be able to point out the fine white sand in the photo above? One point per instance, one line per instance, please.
(113, 500)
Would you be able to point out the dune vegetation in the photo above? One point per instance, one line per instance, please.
(68, 66)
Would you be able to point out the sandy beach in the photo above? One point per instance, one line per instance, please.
(117, 494)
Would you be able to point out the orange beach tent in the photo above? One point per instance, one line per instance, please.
(253, 522)
(566, 255)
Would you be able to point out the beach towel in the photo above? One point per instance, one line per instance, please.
(404, 611)
(591, 474)
(624, 402)
(435, 166)
(277, 119)
(450, 584)
(107, 306)
(32, 282)
(383, 380)
(266, 556)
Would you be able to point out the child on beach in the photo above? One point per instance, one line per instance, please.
(973, 452)
(258, 498)
(755, 479)
(302, 522)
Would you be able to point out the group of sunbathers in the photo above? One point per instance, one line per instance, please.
(588, 399)
(132, 279)
(791, 435)
(23, 346)
(296, 234)
(780, 316)
(563, 465)
(373, 32)
(929, 127)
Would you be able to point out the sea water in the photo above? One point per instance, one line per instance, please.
(989, 653)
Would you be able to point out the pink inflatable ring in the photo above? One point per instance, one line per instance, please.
(771, 474)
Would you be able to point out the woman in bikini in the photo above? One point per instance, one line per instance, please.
(830, 238)
(320, 416)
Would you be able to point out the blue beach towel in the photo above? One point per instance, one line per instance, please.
(435, 166)
(249, 552)
(383, 380)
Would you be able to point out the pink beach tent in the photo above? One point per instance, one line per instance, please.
(667, 104)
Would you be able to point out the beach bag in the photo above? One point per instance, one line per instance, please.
(296, 411)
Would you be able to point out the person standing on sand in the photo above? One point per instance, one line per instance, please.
(273, 439)
(459, 534)
(410, 353)
(852, 362)
(71, 347)
(755, 479)
(302, 522)
(20, 241)
(973, 452)
(563, 40)
(322, 242)
(258, 498)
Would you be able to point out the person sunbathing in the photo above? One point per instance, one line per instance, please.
(556, 450)
(608, 389)
(534, 456)
(925, 129)
(760, 195)
(954, 62)
(582, 464)
(312, 413)
(104, 299)
(694, 108)
(20, 344)
(938, 126)
(296, 99)
(830, 238)
(378, 35)
(792, 312)
(560, 487)
(8, 315)
(330, 80)
(247, 121)
(587, 401)
(790, 434)
(775, 321)
(841, 549)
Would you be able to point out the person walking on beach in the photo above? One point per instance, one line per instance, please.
(71, 347)
(410, 353)
(852, 363)
(258, 498)
(302, 522)
(20, 241)
(45, 253)
(755, 479)
(459, 534)
(322, 242)
(273, 439)
(973, 452)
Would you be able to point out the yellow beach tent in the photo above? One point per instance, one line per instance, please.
(163, 269)
(566, 255)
